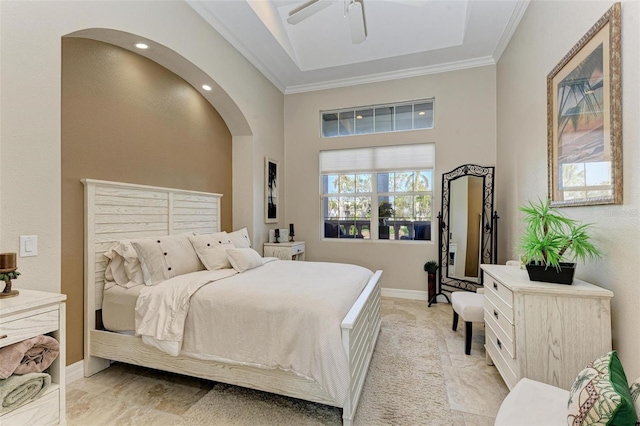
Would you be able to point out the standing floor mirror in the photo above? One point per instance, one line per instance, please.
(468, 228)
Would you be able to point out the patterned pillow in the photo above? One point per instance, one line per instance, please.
(240, 238)
(212, 249)
(635, 395)
(600, 395)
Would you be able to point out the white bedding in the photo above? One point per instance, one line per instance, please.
(284, 315)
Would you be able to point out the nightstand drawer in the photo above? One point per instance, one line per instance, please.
(297, 249)
(19, 327)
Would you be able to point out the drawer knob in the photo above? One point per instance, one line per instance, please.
(499, 343)
(495, 313)
(495, 286)
(4, 336)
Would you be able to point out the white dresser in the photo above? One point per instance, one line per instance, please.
(542, 331)
(27, 315)
(285, 251)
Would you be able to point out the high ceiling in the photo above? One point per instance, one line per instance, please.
(404, 38)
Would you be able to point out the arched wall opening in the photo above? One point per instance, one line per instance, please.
(128, 117)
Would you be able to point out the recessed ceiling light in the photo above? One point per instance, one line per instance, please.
(206, 87)
(359, 117)
(141, 46)
(421, 113)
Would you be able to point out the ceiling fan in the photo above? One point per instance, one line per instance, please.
(354, 11)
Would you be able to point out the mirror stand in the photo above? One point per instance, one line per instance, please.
(468, 228)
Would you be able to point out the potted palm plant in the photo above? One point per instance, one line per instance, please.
(431, 267)
(551, 237)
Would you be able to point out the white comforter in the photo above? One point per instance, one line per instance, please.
(284, 315)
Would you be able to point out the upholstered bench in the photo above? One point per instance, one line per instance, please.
(469, 306)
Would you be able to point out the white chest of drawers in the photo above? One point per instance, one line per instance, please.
(285, 251)
(542, 331)
(27, 315)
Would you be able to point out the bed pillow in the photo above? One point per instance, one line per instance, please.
(123, 266)
(166, 257)
(243, 259)
(600, 394)
(635, 395)
(240, 238)
(212, 249)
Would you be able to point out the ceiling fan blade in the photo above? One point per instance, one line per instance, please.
(312, 7)
(357, 24)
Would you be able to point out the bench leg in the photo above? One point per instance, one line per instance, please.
(467, 337)
(455, 321)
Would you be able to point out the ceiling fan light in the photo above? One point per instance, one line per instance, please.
(355, 14)
(303, 12)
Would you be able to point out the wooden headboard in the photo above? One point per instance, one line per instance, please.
(117, 211)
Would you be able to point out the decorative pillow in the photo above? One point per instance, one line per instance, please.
(123, 266)
(212, 249)
(635, 395)
(166, 257)
(600, 394)
(240, 238)
(243, 259)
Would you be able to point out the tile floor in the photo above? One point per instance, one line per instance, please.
(129, 395)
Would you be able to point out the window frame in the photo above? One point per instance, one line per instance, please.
(374, 195)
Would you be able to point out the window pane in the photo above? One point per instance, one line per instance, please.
(422, 207)
(404, 181)
(404, 114)
(384, 119)
(329, 125)
(385, 207)
(423, 116)
(403, 207)
(332, 207)
(347, 184)
(424, 181)
(364, 183)
(363, 208)
(385, 182)
(364, 121)
(347, 124)
(330, 183)
(347, 207)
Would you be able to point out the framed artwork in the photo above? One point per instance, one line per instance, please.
(271, 181)
(584, 119)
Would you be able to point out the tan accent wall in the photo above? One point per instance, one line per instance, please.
(125, 118)
(546, 33)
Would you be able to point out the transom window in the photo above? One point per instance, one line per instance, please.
(363, 199)
(378, 119)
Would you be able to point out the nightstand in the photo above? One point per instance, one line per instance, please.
(285, 251)
(28, 315)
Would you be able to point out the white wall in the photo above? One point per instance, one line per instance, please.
(30, 53)
(546, 33)
(465, 132)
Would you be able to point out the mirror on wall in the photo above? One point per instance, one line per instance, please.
(468, 227)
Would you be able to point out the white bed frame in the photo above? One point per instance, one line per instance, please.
(116, 211)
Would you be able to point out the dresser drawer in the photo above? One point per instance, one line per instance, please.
(498, 337)
(499, 289)
(19, 327)
(492, 314)
(506, 372)
(42, 411)
(494, 301)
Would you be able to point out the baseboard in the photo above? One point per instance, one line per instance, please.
(404, 294)
(409, 294)
(74, 371)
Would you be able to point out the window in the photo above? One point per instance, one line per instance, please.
(379, 193)
(378, 119)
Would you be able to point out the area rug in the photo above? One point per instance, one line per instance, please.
(404, 386)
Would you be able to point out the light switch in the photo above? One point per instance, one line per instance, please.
(28, 245)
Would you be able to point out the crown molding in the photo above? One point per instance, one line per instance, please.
(392, 75)
(510, 29)
(233, 41)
